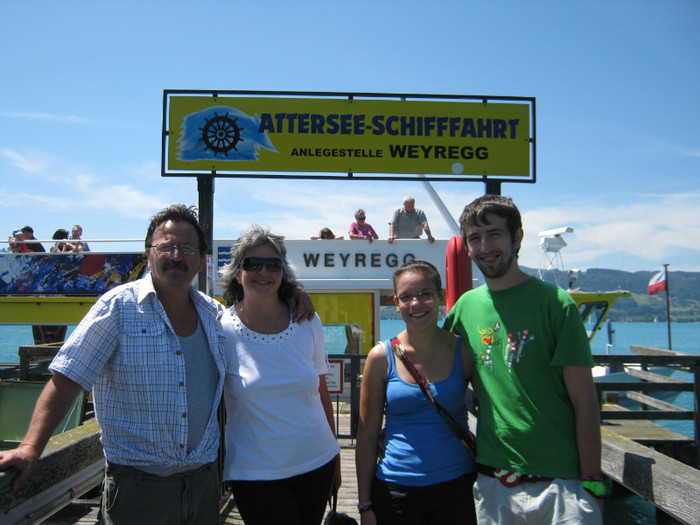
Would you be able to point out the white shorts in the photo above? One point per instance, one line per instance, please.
(561, 501)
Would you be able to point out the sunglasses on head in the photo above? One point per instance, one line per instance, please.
(255, 264)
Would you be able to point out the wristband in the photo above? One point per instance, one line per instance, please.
(364, 506)
(597, 488)
(592, 477)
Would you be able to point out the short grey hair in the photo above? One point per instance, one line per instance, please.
(360, 213)
(252, 238)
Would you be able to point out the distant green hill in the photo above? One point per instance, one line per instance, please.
(641, 307)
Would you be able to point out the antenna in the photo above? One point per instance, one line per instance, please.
(551, 242)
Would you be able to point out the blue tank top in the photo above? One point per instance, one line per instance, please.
(421, 449)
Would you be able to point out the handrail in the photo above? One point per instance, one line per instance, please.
(670, 485)
(639, 381)
(67, 240)
(71, 465)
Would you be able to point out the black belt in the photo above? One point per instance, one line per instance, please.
(509, 478)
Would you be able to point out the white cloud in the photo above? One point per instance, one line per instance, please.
(126, 201)
(33, 162)
(648, 229)
(663, 147)
(36, 116)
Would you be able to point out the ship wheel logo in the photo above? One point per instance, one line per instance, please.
(221, 134)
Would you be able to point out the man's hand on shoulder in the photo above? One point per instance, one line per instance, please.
(305, 310)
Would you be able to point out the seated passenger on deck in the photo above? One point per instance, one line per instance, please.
(61, 247)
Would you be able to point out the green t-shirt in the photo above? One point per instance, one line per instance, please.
(520, 339)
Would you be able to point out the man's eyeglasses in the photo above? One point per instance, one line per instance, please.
(166, 247)
(423, 297)
(255, 264)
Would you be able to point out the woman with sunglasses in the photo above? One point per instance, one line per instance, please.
(361, 229)
(282, 457)
(425, 475)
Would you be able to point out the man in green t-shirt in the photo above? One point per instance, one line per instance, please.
(538, 436)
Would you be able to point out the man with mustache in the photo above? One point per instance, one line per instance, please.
(152, 353)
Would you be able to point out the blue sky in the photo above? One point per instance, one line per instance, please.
(618, 115)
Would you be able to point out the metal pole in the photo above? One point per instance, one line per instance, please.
(493, 187)
(668, 306)
(205, 188)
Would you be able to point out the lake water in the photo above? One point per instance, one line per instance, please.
(685, 337)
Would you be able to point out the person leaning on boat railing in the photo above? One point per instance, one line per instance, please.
(152, 353)
(409, 222)
(61, 245)
(20, 241)
(327, 234)
(361, 229)
(538, 434)
(75, 234)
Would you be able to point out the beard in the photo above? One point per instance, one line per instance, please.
(494, 272)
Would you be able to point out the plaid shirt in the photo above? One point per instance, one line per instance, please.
(126, 350)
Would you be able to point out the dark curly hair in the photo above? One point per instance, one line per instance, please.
(177, 213)
(475, 212)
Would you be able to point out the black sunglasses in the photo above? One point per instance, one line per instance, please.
(255, 264)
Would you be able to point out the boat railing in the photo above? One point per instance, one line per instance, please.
(71, 465)
(54, 241)
(637, 382)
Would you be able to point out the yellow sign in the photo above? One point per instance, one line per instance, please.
(348, 307)
(277, 134)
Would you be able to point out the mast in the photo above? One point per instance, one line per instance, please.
(668, 306)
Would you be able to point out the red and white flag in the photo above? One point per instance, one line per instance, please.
(657, 283)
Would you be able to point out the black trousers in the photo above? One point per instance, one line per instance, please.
(448, 503)
(299, 500)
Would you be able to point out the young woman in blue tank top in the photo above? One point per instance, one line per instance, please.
(424, 475)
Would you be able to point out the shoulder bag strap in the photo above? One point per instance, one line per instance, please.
(464, 435)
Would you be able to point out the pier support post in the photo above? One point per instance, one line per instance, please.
(205, 188)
